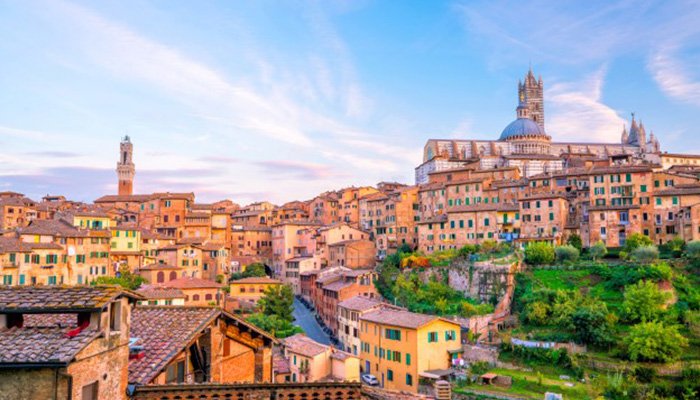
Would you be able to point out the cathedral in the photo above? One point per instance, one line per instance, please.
(525, 144)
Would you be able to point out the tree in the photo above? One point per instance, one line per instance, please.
(467, 309)
(539, 253)
(254, 270)
(652, 341)
(125, 279)
(643, 301)
(404, 248)
(591, 324)
(278, 301)
(566, 253)
(275, 325)
(645, 253)
(575, 240)
(598, 250)
(692, 249)
(636, 240)
(538, 313)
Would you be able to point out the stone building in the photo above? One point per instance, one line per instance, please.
(524, 143)
(65, 343)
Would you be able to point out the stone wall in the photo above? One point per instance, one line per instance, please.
(481, 280)
(33, 384)
(375, 393)
(263, 391)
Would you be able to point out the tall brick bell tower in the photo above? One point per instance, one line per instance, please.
(125, 167)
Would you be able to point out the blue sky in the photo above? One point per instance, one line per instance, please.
(281, 100)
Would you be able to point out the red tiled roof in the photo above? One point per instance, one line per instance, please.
(304, 345)
(189, 282)
(158, 292)
(164, 333)
(359, 303)
(38, 299)
(262, 279)
(30, 345)
(404, 319)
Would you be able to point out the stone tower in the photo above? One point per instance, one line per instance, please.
(125, 167)
(531, 92)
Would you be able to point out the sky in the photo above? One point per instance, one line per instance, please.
(281, 100)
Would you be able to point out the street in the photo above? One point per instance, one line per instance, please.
(305, 319)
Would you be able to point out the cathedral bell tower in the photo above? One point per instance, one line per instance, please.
(125, 167)
(531, 92)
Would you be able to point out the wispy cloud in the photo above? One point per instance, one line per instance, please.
(673, 76)
(578, 112)
(303, 170)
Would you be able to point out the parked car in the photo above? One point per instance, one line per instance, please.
(370, 379)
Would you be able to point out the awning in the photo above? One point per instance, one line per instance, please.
(436, 373)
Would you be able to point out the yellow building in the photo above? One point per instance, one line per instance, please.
(92, 220)
(251, 289)
(398, 346)
(125, 247)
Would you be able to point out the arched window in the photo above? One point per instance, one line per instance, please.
(160, 277)
(207, 297)
(195, 297)
(173, 275)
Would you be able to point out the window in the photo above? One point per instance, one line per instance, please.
(432, 337)
(389, 375)
(176, 373)
(409, 380)
(450, 335)
(658, 202)
(160, 277)
(195, 297)
(393, 334)
(115, 316)
(90, 392)
(408, 359)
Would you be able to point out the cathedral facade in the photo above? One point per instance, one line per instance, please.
(525, 144)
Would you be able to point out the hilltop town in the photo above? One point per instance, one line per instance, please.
(515, 267)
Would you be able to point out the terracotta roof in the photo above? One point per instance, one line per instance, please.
(540, 196)
(678, 191)
(341, 355)
(280, 364)
(304, 345)
(474, 208)
(347, 242)
(404, 319)
(12, 245)
(359, 303)
(189, 282)
(297, 259)
(337, 286)
(48, 299)
(157, 266)
(31, 345)
(158, 292)
(49, 320)
(138, 198)
(262, 279)
(164, 333)
(613, 208)
(54, 227)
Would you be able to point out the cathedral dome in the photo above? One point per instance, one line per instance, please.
(522, 126)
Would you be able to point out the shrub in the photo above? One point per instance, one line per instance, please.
(636, 240)
(575, 240)
(644, 374)
(645, 253)
(489, 246)
(479, 367)
(539, 253)
(538, 312)
(598, 250)
(692, 249)
(566, 253)
(657, 272)
(467, 250)
(652, 341)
